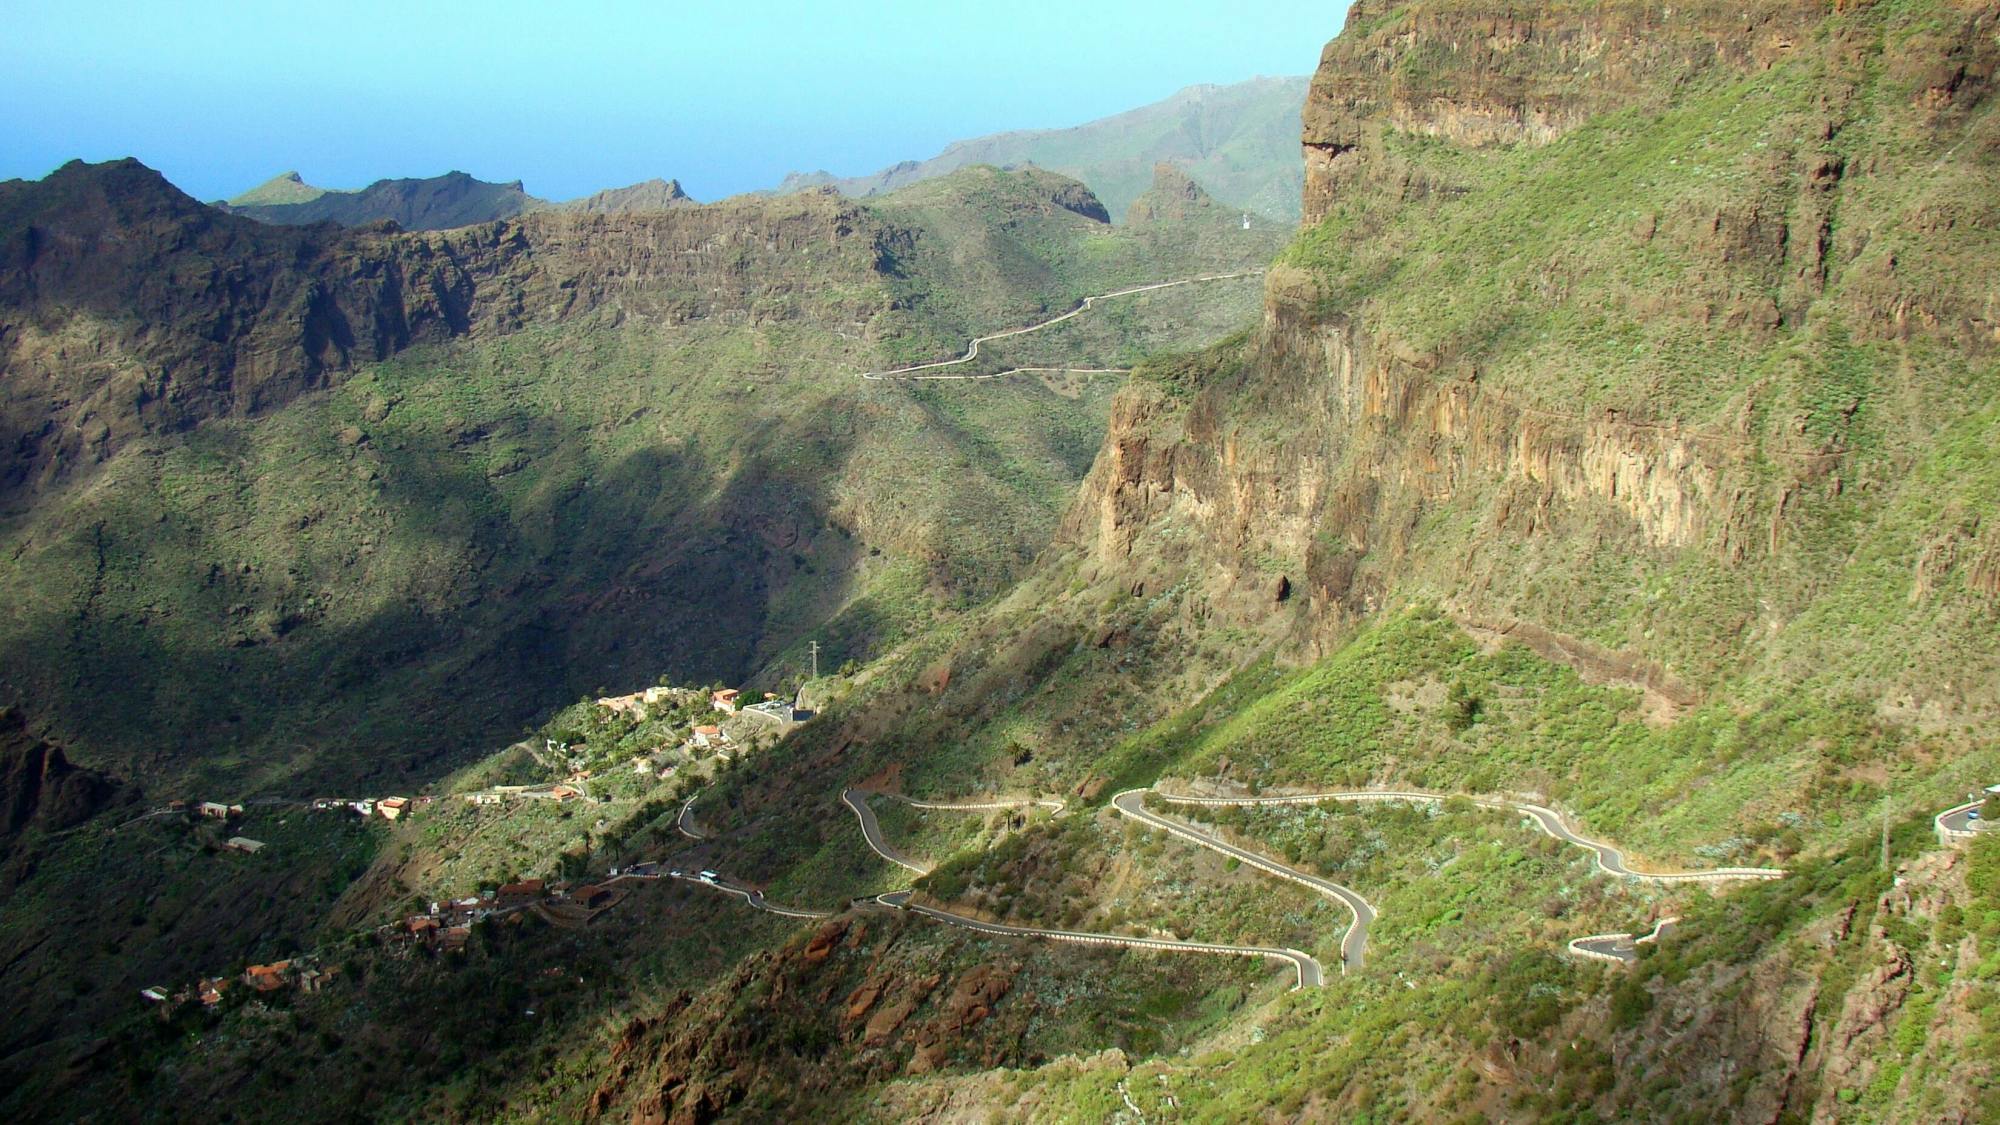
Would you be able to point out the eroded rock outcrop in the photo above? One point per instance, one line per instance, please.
(127, 307)
(1485, 72)
(39, 788)
(1355, 447)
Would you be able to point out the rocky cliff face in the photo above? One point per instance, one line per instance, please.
(652, 195)
(39, 788)
(1401, 425)
(127, 307)
(1175, 197)
(1485, 73)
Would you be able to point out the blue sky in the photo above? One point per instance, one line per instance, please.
(579, 96)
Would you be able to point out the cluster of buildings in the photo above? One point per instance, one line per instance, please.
(222, 813)
(303, 973)
(447, 926)
(499, 793)
(636, 703)
(388, 808)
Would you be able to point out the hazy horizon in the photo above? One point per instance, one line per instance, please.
(597, 96)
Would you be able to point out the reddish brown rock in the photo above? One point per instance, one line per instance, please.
(822, 943)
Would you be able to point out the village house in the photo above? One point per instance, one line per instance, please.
(706, 737)
(212, 990)
(392, 808)
(268, 978)
(590, 896)
(624, 704)
(364, 807)
(157, 994)
(213, 810)
(452, 939)
(724, 700)
(244, 844)
(314, 979)
(483, 798)
(520, 894)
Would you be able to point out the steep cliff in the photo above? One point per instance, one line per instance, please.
(250, 472)
(1481, 74)
(127, 307)
(1647, 332)
(39, 788)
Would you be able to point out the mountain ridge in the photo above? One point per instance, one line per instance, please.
(1239, 140)
(444, 202)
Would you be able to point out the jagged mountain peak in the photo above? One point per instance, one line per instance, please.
(649, 195)
(1174, 197)
(285, 187)
(454, 199)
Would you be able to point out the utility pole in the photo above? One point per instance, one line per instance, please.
(815, 656)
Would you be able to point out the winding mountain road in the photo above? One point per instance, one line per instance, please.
(1958, 822)
(1620, 948)
(871, 830)
(978, 804)
(1609, 859)
(1131, 803)
(972, 352)
(685, 821)
(1307, 968)
(754, 897)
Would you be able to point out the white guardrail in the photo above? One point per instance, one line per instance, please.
(1946, 834)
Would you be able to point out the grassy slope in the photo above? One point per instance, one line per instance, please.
(1584, 277)
(1534, 279)
(285, 187)
(424, 556)
(1533, 276)
(1467, 1007)
(1239, 141)
(402, 568)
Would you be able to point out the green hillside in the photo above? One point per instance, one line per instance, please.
(281, 189)
(419, 558)
(1240, 141)
(1613, 450)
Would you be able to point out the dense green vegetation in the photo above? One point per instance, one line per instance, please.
(413, 563)
(1635, 470)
